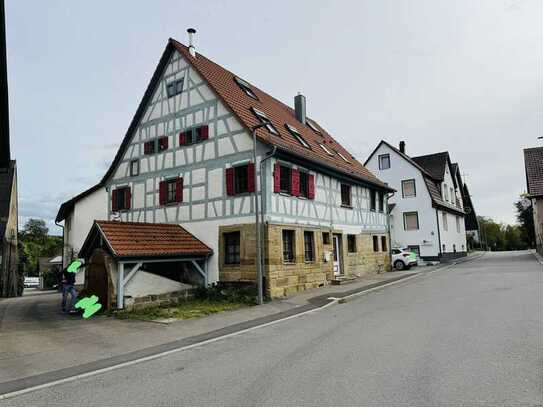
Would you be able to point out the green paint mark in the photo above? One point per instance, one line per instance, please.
(72, 268)
(90, 305)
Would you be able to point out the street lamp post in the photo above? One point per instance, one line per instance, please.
(259, 285)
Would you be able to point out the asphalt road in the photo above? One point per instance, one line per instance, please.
(471, 335)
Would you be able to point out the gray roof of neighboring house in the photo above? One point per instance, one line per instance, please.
(6, 185)
(433, 163)
(533, 162)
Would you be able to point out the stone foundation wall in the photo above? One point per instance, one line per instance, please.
(148, 301)
(287, 278)
(365, 260)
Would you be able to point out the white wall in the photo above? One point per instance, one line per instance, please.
(400, 169)
(451, 236)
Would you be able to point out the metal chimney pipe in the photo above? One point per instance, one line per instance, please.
(299, 108)
(192, 48)
(402, 146)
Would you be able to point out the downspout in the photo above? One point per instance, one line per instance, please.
(264, 241)
(63, 242)
(438, 235)
(388, 230)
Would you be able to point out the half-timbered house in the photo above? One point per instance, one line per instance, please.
(187, 159)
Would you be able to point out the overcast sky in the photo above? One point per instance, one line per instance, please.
(462, 76)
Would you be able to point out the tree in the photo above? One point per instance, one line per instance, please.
(35, 243)
(525, 218)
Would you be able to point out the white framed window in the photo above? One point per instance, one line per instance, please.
(458, 224)
(384, 161)
(174, 88)
(411, 220)
(444, 219)
(408, 188)
(445, 192)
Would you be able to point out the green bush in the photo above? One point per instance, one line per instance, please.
(228, 292)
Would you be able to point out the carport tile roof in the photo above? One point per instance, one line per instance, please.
(135, 239)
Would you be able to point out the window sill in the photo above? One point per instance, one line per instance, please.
(346, 206)
(289, 263)
(309, 262)
(231, 264)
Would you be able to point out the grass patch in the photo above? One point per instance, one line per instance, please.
(191, 309)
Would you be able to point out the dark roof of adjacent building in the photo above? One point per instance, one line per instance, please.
(434, 164)
(145, 240)
(223, 83)
(533, 161)
(471, 221)
(6, 187)
(68, 206)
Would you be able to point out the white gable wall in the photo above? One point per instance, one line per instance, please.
(400, 169)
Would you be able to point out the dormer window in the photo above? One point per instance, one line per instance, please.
(326, 149)
(264, 119)
(296, 134)
(174, 88)
(342, 156)
(312, 126)
(245, 87)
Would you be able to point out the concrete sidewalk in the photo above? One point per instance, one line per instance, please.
(39, 344)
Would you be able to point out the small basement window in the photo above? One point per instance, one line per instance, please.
(264, 119)
(174, 88)
(288, 246)
(296, 134)
(232, 248)
(245, 87)
(383, 243)
(309, 246)
(351, 243)
(375, 243)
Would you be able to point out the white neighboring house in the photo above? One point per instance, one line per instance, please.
(426, 212)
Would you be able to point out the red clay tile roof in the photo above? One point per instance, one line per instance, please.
(533, 161)
(134, 239)
(222, 82)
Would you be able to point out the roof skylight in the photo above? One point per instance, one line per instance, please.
(297, 135)
(245, 87)
(264, 119)
(326, 149)
(312, 126)
(342, 156)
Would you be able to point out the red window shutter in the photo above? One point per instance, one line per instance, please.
(311, 186)
(179, 189)
(230, 182)
(114, 200)
(295, 182)
(182, 139)
(251, 176)
(162, 193)
(277, 178)
(127, 198)
(204, 132)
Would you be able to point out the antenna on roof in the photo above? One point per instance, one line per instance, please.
(192, 48)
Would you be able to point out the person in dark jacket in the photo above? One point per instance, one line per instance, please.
(68, 288)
